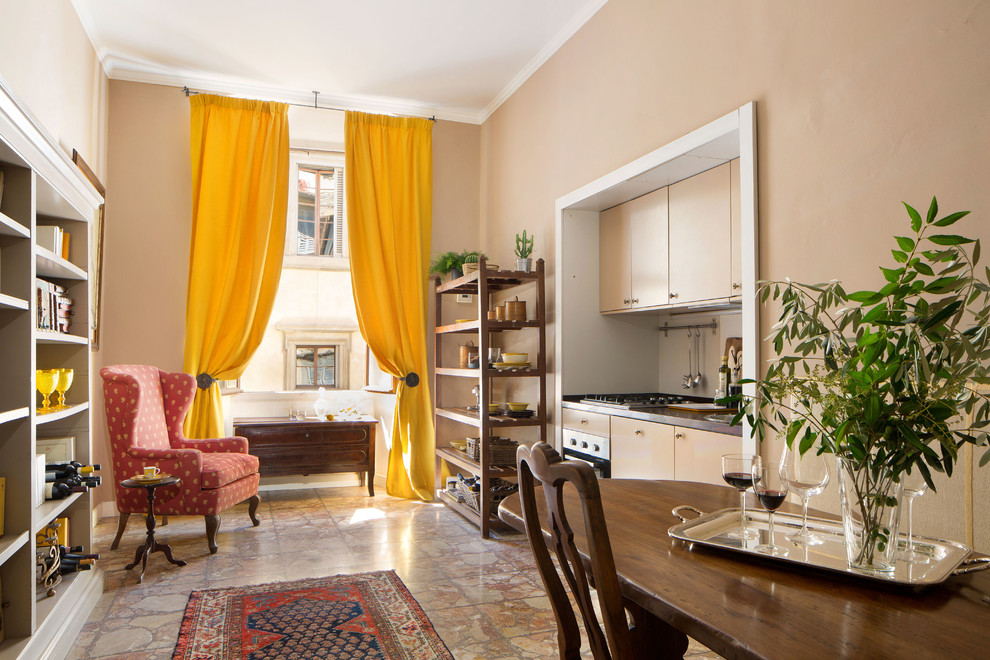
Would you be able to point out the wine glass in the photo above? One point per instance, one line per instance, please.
(737, 470)
(808, 475)
(45, 380)
(771, 490)
(64, 383)
(914, 486)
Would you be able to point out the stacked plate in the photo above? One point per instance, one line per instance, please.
(502, 366)
(519, 414)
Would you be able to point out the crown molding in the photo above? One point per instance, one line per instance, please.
(568, 31)
(129, 70)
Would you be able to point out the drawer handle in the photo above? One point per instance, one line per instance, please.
(673, 295)
(736, 285)
(638, 431)
(625, 301)
(635, 301)
(584, 421)
(678, 436)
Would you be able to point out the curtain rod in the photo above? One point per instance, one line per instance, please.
(188, 92)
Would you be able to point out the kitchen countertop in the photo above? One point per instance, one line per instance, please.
(666, 416)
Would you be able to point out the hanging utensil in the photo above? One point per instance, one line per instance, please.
(698, 377)
(688, 379)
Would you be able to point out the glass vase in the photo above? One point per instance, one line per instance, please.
(869, 499)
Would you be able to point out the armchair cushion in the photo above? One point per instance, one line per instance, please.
(225, 468)
(235, 444)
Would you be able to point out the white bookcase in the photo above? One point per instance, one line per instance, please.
(41, 186)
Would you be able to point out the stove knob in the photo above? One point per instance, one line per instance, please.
(597, 448)
(584, 445)
(572, 441)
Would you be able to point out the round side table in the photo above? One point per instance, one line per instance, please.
(151, 544)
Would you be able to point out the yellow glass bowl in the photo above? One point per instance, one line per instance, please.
(515, 357)
(517, 406)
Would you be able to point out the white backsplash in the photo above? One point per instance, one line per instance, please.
(673, 360)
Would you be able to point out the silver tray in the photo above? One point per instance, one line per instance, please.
(946, 558)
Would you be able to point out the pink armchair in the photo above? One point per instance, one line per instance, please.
(145, 409)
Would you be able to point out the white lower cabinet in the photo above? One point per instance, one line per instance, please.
(698, 454)
(648, 450)
(642, 450)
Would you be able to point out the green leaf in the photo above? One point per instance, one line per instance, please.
(949, 239)
(915, 217)
(899, 257)
(904, 243)
(976, 252)
(950, 219)
(932, 211)
(865, 297)
(924, 269)
(892, 274)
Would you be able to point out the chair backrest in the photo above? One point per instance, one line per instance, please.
(135, 407)
(541, 463)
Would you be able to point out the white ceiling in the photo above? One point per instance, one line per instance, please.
(455, 59)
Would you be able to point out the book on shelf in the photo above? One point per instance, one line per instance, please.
(49, 237)
(54, 307)
(57, 449)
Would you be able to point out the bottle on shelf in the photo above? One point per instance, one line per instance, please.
(66, 569)
(73, 467)
(722, 389)
(59, 490)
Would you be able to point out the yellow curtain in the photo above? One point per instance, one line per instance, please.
(389, 180)
(240, 177)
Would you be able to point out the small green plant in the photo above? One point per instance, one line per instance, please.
(524, 245)
(473, 257)
(446, 262)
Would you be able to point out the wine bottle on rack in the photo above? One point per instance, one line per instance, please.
(722, 389)
(66, 569)
(76, 552)
(71, 468)
(72, 561)
(59, 490)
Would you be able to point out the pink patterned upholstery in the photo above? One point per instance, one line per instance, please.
(145, 409)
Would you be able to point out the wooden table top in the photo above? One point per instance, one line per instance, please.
(166, 480)
(288, 421)
(742, 607)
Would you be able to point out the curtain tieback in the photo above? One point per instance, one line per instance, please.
(204, 381)
(411, 379)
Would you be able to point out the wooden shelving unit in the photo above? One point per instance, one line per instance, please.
(41, 185)
(484, 284)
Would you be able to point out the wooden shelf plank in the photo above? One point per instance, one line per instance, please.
(11, 415)
(11, 543)
(49, 337)
(497, 280)
(50, 510)
(461, 459)
(11, 227)
(460, 507)
(10, 302)
(471, 327)
(471, 418)
(61, 414)
(51, 265)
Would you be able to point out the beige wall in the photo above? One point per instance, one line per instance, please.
(859, 106)
(47, 60)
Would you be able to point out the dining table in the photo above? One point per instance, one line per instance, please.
(746, 606)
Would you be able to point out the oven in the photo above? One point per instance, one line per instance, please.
(592, 449)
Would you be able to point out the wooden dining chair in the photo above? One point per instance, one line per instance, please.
(647, 637)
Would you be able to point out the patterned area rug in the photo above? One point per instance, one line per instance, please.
(364, 615)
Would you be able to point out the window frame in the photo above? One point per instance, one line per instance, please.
(317, 347)
(301, 336)
(320, 160)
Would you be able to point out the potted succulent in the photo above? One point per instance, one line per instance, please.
(524, 248)
(471, 261)
(881, 378)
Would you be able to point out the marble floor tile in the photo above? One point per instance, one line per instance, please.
(484, 597)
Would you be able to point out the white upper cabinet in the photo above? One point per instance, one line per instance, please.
(700, 237)
(633, 253)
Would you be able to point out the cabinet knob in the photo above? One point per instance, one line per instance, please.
(638, 431)
(736, 285)
(625, 301)
(584, 421)
(635, 301)
(678, 436)
(673, 295)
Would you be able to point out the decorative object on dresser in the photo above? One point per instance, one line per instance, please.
(485, 455)
(524, 248)
(145, 409)
(899, 367)
(288, 448)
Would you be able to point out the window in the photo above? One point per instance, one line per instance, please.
(316, 366)
(316, 230)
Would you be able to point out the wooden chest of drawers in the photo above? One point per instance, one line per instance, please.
(285, 447)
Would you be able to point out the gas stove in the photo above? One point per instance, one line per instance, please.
(634, 401)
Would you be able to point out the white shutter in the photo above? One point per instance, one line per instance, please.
(340, 247)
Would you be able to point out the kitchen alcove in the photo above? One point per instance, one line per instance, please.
(619, 350)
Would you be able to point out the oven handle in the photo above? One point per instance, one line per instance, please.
(676, 511)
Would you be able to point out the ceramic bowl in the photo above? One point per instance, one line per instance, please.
(517, 406)
(493, 408)
(459, 445)
(515, 357)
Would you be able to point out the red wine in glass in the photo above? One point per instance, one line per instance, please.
(737, 470)
(771, 490)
